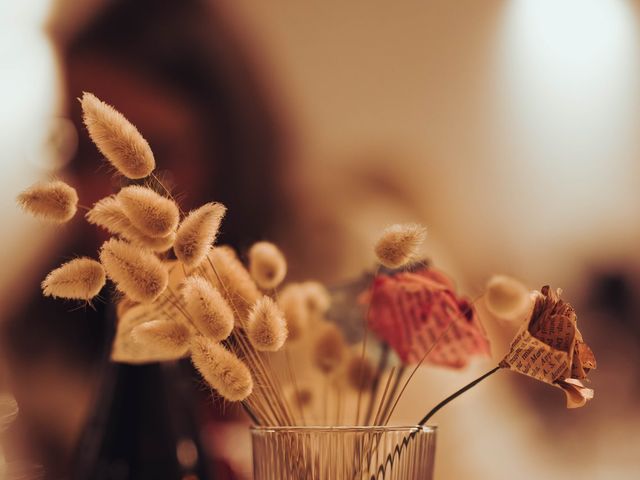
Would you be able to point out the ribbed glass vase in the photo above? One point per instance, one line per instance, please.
(343, 453)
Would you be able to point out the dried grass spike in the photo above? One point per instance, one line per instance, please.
(79, 279)
(109, 214)
(237, 285)
(398, 244)
(267, 265)
(225, 372)
(317, 296)
(292, 300)
(53, 201)
(330, 349)
(507, 298)
(208, 309)
(150, 212)
(197, 233)
(266, 326)
(116, 138)
(169, 337)
(137, 273)
(302, 396)
(157, 244)
(360, 373)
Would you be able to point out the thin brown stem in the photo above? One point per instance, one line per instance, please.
(378, 418)
(382, 364)
(365, 328)
(430, 349)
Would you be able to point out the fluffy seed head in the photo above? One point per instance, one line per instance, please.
(137, 273)
(109, 214)
(302, 396)
(267, 265)
(506, 297)
(150, 212)
(237, 285)
(317, 296)
(116, 138)
(166, 336)
(207, 308)
(330, 349)
(398, 244)
(197, 233)
(266, 326)
(292, 300)
(360, 373)
(225, 372)
(53, 201)
(79, 279)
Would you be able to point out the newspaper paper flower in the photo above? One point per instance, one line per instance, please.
(550, 348)
(418, 313)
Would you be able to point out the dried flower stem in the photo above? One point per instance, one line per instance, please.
(249, 412)
(294, 381)
(456, 394)
(365, 327)
(382, 365)
(275, 397)
(380, 411)
(426, 354)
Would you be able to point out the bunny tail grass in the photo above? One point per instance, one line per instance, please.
(225, 372)
(53, 201)
(267, 265)
(266, 326)
(209, 311)
(150, 212)
(116, 138)
(398, 244)
(330, 349)
(197, 232)
(79, 279)
(292, 300)
(506, 297)
(137, 273)
(108, 214)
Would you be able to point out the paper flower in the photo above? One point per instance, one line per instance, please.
(418, 313)
(550, 348)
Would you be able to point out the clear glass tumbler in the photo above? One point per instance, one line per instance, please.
(343, 453)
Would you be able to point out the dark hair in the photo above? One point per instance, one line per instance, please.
(185, 46)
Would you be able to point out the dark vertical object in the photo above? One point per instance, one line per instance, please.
(142, 414)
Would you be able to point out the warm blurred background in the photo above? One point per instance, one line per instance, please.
(509, 128)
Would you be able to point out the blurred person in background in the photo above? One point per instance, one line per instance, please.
(461, 115)
(178, 72)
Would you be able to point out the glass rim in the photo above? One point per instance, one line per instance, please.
(343, 429)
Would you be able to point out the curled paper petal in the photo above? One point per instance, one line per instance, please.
(577, 394)
(418, 313)
(550, 348)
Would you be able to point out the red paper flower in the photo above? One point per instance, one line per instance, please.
(419, 312)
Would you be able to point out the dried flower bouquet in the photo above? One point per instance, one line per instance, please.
(254, 339)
